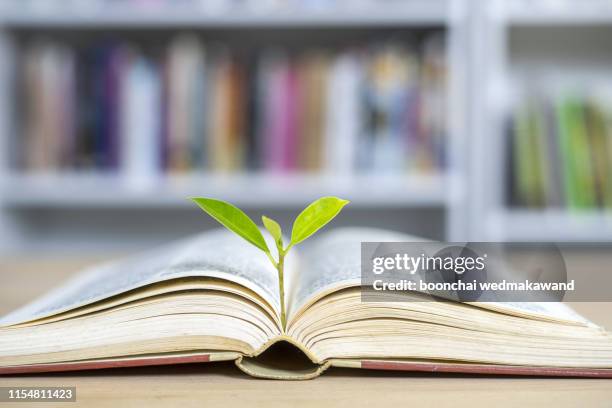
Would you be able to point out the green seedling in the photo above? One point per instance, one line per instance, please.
(312, 219)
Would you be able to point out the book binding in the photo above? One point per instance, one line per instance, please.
(302, 365)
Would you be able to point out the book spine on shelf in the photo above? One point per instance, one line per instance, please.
(342, 134)
(139, 117)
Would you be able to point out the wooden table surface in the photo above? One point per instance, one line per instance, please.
(205, 385)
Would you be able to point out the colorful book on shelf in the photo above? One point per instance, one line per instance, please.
(219, 115)
(214, 297)
(251, 125)
(523, 159)
(393, 104)
(538, 156)
(343, 135)
(85, 111)
(599, 154)
(291, 126)
(275, 113)
(108, 70)
(140, 107)
(552, 161)
(312, 70)
(578, 178)
(48, 125)
(185, 126)
(237, 140)
(433, 107)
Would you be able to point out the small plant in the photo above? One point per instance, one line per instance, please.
(313, 218)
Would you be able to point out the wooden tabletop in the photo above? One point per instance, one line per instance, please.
(211, 385)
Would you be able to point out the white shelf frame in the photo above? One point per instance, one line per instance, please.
(550, 225)
(104, 191)
(347, 13)
(555, 12)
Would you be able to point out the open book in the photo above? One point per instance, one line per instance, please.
(214, 297)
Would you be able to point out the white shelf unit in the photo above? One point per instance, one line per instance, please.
(495, 64)
(61, 212)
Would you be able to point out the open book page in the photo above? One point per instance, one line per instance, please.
(333, 262)
(216, 254)
(547, 310)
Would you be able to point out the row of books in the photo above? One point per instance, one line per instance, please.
(561, 153)
(198, 107)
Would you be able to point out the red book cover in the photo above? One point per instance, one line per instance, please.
(486, 369)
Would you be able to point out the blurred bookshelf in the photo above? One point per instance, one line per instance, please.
(84, 158)
(436, 157)
(548, 104)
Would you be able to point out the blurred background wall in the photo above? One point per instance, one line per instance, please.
(448, 119)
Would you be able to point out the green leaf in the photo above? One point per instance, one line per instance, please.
(315, 216)
(274, 229)
(234, 219)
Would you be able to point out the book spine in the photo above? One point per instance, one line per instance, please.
(344, 114)
(140, 121)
